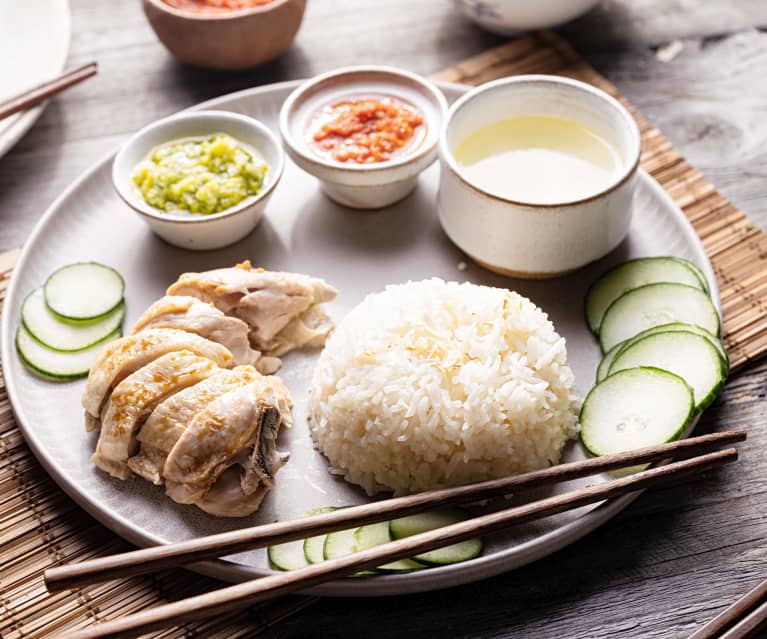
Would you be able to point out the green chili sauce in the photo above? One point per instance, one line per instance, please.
(199, 175)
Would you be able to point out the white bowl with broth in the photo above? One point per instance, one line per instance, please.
(537, 175)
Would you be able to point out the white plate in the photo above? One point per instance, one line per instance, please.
(34, 41)
(357, 252)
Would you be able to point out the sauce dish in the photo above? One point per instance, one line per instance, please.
(508, 17)
(536, 239)
(193, 230)
(372, 184)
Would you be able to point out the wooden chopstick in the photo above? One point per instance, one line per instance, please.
(172, 555)
(743, 618)
(747, 627)
(42, 92)
(250, 592)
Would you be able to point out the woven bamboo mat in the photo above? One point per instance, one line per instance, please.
(40, 526)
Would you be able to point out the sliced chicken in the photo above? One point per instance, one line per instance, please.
(167, 423)
(195, 316)
(128, 354)
(134, 398)
(223, 434)
(281, 309)
(226, 497)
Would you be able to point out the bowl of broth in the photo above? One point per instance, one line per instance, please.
(537, 174)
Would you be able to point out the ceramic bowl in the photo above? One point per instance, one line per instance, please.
(194, 231)
(508, 17)
(363, 186)
(237, 39)
(537, 240)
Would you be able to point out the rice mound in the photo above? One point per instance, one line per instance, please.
(430, 384)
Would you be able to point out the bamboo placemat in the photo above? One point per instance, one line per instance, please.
(40, 526)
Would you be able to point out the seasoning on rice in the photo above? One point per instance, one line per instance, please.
(429, 384)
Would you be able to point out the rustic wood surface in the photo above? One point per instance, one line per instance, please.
(677, 556)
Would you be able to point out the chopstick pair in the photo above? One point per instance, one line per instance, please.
(743, 619)
(247, 593)
(42, 92)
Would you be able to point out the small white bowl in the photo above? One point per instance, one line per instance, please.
(529, 240)
(193, 231)
(363, 186)
(509, 17)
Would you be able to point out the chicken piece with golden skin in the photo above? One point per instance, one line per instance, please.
(281, 309)
(236, 429)
(134, 399)
(118, 359)
(168, 421)
(190, 314)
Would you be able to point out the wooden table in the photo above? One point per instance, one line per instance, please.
(676, 556)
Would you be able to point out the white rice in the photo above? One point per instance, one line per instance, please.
(429, 384)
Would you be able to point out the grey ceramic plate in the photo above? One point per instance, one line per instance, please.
(358, 253)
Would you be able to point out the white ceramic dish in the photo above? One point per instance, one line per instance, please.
(200, 232)
(303, 231)
(507, 17)
(537, 240)
(34, 42)
(363, 186)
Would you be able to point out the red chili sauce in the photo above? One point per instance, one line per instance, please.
(204, 6)
(365, 130)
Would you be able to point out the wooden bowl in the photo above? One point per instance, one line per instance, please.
(229, 40)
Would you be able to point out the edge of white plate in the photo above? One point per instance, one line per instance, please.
(26, 120)
(383, 585)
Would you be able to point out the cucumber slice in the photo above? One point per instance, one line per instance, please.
(653, 305)
(688, 355)
(288, 556)
(57, 365)
(635, 408)
(46, 328)
(84, 291)
(314, 546)
(341, 543)
(701, 275)
(377, 534)
(631, 275)
(604, 366)
(682, 327)
(415, 524)
(291, 554)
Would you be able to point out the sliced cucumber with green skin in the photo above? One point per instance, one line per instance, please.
(288, 556)
(57, 365)
(291, 554)
(701, 275)
(688, 355)
(635, 408)
(653, 305)
(633, 274)
(682, 327)
(61, 336)
(341, 543)
(674, 327)
(422, 522)
(314, 546)
(377, 534)
(604, 366)
(84, 291)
